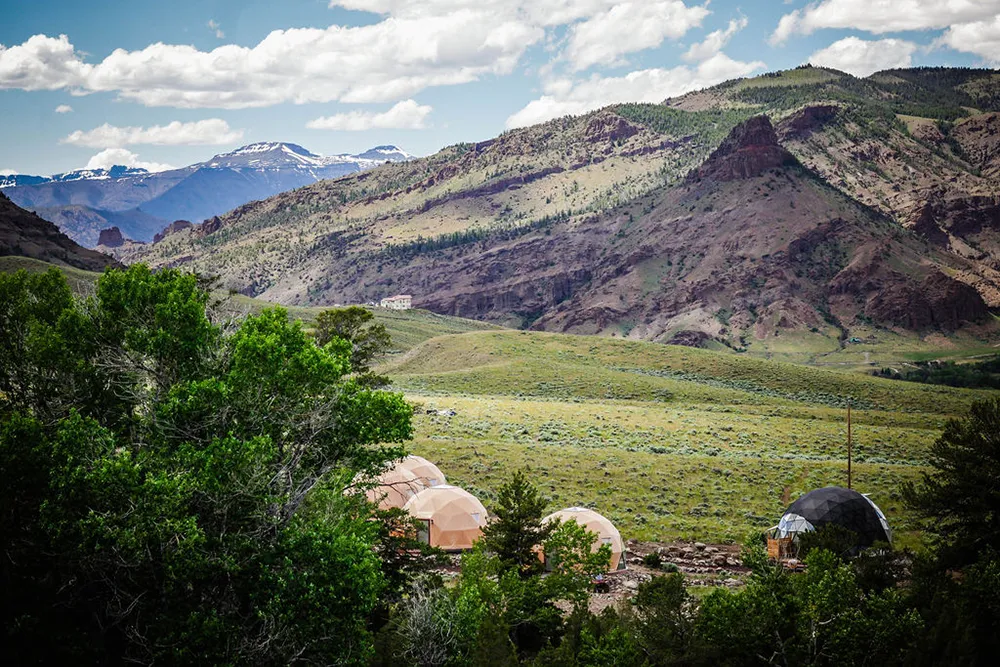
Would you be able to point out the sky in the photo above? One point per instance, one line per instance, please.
(161, 84)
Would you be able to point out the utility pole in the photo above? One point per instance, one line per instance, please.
(848, 445)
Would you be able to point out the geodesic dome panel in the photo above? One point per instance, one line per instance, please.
(395, 488)
(425, 471)
(453, 518)
(881, 518)
(595, 523)
(835, 504)
(792, 524)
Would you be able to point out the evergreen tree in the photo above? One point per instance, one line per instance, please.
(960, 499)
(517, 528)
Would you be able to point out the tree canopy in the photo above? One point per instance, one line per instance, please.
(173, 481)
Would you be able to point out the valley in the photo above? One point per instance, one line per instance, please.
(803, 215)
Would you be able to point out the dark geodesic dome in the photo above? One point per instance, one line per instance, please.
(844, 507)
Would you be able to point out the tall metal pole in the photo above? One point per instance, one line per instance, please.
(848, 445)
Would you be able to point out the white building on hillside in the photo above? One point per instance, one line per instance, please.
(398, 302)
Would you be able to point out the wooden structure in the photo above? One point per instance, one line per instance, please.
(780, 548)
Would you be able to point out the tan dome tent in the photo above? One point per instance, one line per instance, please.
(595, 523)
(453, 518)
(425, 471)
(395, 487)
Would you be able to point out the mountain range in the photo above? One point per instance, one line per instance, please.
(806, 205)
(141, 203)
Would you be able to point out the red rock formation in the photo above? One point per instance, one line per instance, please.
(111, 238)
(751, 149)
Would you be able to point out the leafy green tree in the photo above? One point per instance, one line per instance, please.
(517, 530)
(821, 617)
(832, 537)
(960, 499)
(173, 483)
(369, 339)
(663, 620)
(573, 561)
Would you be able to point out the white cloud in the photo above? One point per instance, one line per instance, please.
(714, 42)
(405, 115)
(119, 156)
(64, 108)
(213, 25)
(384, 62)
(861, 58)
(416, 45)
(210, 132)
(629, 27)
(882, 16)
(981, 38)
(41, 63)
(565, 96)
(8, 172)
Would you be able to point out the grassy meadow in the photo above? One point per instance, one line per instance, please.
(668, 442)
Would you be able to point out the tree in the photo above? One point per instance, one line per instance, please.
(573, 561)
(517, 529)
(356, 325)
(960, 499)
(663, 619)
(173, 482)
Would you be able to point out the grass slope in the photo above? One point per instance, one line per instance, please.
(668, 442)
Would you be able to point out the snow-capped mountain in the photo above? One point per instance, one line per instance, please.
(141, 203)
(119, 171)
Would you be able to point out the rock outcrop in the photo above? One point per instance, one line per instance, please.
(111, 238)
(751, 149)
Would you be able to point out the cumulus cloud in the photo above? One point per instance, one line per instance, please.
(405, 115)
(209, 132)
(64, 108)
(112, 157)
(714, 42)
(566, 96)
(416, 45)
(384, 62)
(981, 38)
(627, 28)
(882, 16)
(41, 63)
(861, 58)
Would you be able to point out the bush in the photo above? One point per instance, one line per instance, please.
(652, 560)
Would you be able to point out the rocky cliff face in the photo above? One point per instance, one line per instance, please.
(24, 234)
(111, 238)
(751, 149)
(749, 246)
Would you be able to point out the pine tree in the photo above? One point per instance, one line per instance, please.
(518, 528)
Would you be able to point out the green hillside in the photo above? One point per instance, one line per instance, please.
(408, 328)
(669, 442)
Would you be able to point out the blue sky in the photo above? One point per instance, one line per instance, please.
(156, 84)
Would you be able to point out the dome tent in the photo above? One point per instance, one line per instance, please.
(395, 488)
(453, 518)
(595, 523)
(836, 505)
(424, 470)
